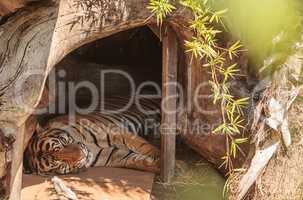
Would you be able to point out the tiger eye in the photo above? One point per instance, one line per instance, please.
(47, 146)
(63, 140)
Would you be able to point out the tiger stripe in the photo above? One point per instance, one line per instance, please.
(100, 138)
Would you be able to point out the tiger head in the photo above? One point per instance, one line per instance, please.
(56, 152)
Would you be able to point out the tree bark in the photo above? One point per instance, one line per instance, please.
(6, 145)
(279, 176)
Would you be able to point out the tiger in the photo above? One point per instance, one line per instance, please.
(100, 138)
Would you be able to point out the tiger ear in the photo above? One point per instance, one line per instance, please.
(39, 128)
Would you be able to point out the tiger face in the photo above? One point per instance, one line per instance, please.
(56, 152)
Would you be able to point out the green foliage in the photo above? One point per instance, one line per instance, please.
(274, 39)
(204, 46)
(160, 8)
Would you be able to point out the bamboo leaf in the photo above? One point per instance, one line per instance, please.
(241, 140)
(161, 9)
(233, 149)
(219, 128)
(234, 49)
(218, 15)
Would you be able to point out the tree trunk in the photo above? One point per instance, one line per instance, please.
(6, 145)
(274, 167)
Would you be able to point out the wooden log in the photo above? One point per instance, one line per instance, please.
(169, 104)
(17, 164)
(6, 145)
(11, 157)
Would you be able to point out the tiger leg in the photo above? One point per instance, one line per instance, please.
(135, 143)
(129, 159)
(116, 136)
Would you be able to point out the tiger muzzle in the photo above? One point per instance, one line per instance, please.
(71, 153)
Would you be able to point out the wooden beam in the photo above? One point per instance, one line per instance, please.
(169, 104)
(155, 29)
(12, 145)
(17, 163)
(6, 146)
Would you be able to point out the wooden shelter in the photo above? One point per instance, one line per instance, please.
(37, 37)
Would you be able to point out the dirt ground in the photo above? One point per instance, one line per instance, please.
(96, 183)
(195, 180)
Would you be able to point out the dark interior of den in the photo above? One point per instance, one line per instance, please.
(127, 63)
